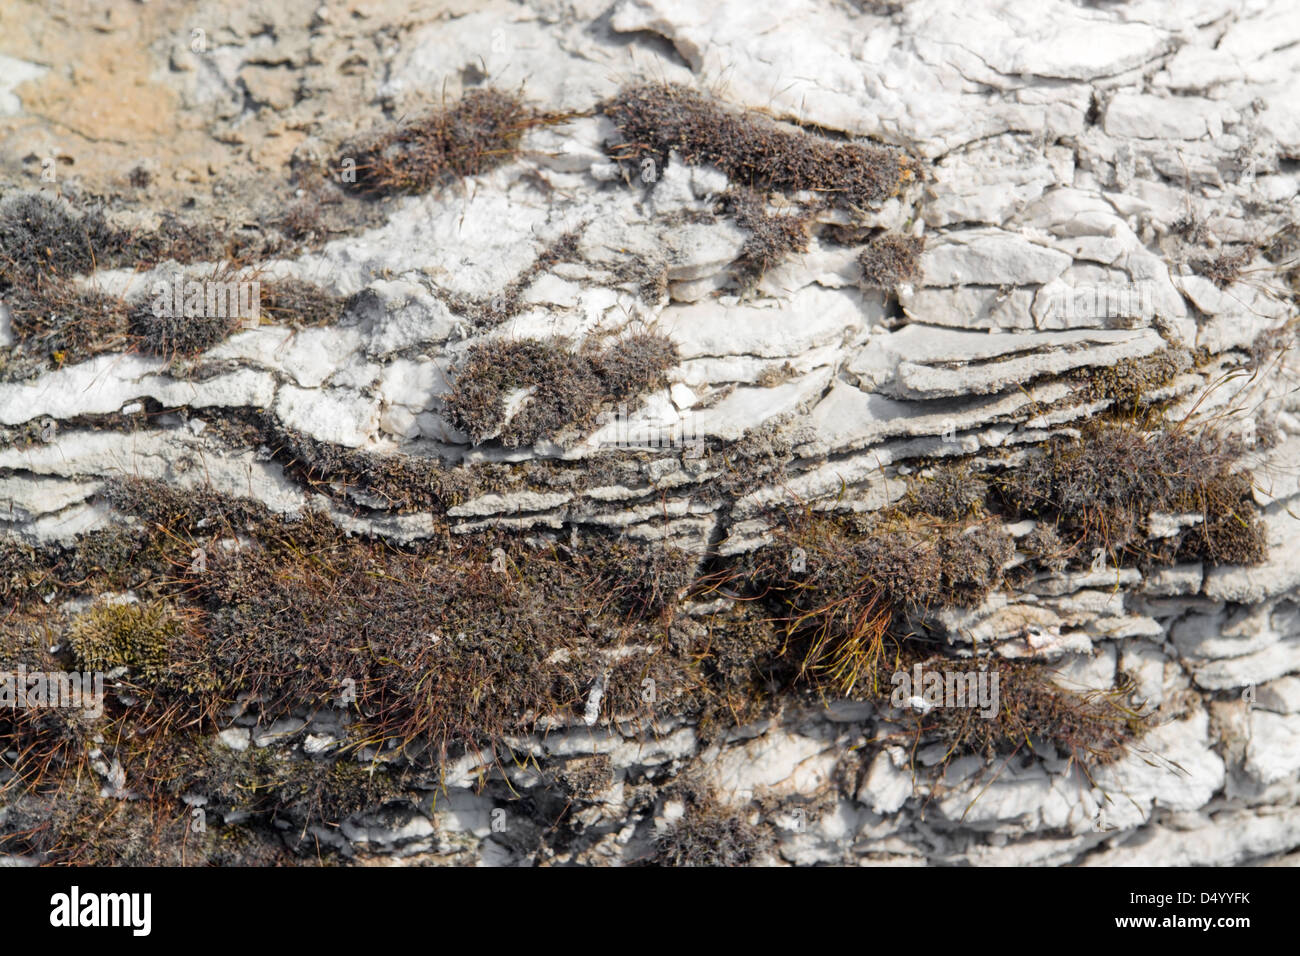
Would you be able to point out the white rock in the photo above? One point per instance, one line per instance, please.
(1273, 751)
(990, 257)
(887, 785)
(236, 738)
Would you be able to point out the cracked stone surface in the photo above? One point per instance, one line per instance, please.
(1065, 146)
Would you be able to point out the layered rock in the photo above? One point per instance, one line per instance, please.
(1104, 195)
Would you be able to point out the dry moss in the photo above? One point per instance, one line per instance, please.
(566, 388)
(709, 834)
(57, 322)
(1224, 268)
(634, 363)
(949, 491)
(642, 581)
(271, 784)
(450, 644)
(654, 119)
(77, 826)
(456, 646)
(1126, 384)
(184, 333)
(849, 608)
(42, 238)
(1098, 491)
(891, 259)
(300, 303)
(1046, 547)
(1093, 729)
(480, 132)
(773, 237)
(846, 599)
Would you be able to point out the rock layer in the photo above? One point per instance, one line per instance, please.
(1105, 197)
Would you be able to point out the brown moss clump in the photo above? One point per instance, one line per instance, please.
(1099, 489)
(185, 241)
(972, 562)
(654, 119)
(396, 482)
(300, 303)
(178, 336)
(166, 508)
(1094, 728)
(950, 491)
(56, 321)
(1232, 532)
(709, 834)
(77, 826)
(20, 570)
(566, 387)
(643, 581)
(267, 782)
(43, 238)
(1225, 268)
(634, 363)
(209, 313)
(745, 655)
(480, 132)
(773, 237)
(37, 743)
(850, 607)
(565, 391)
(456, 646)
(448, 644)
(1046, 547)
(117, 558)
(847, 599)
(891, 259)
(303, 219)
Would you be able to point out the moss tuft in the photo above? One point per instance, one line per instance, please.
(1045, 546)
(1094, 728)
(950, 491)
(185, 333)
(57, 322)
(564, 389)
(891, 259)
(42, 238)
(300, 303)
(709, 834)
(1225, 268)
(1127, 383)
(138, 637)
(773, 237)
(1099, 489)
(654, 119)
(480, 132)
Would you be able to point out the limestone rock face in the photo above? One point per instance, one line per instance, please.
(1105, 195)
